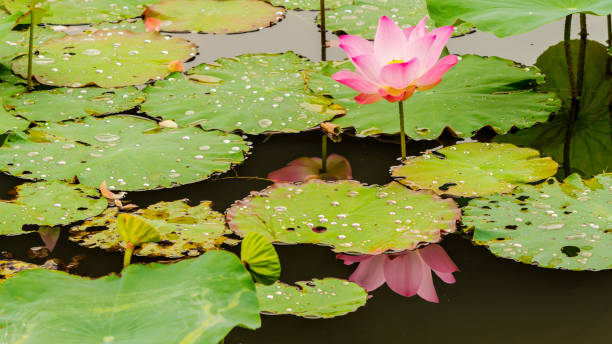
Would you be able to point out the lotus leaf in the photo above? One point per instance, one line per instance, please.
(193, 301)
(475, 93)
(135, 230)
(184, 230)
(319, 298)
(553, 225)
(126, 25)
(48, 203)
(251, 93)
(83, 12)
(475, 169)
(129, 153)
(10, 122)
(10, 267)
(260, 258)
(15, 43)
(309, 5)
(511, 17)
(590, 150)
(59, 104)
(361, 16)
(105, 58)
(346, 215)
(214, 16)
(7, 23)
(8, 87)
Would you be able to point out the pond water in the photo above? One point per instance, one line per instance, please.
(494, 300)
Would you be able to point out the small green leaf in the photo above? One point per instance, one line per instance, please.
(260, 257)
(136, 230)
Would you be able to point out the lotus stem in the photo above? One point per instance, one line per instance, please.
(31, 45)
(574, 93)
(324, 154)
(609, 31)
(402, 131)
(127, 257)
(323, 30)
(581, 54)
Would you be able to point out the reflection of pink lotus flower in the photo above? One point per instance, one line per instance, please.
(398, 63)
(304, 169)
(406, 273)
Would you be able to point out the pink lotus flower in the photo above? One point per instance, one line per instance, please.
(406, 273)
(398, 63)
(304, 169)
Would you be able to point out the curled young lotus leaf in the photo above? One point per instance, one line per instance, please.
(552, 225)
(183, 230)
(475, 169)
(214, 16)
(10, 267)
(105, 58)
(127, 152)
(71, 12)
(346, 215)
(135, 230)
(475, 93)
(360, 17)
(251, 93)
(319, 298)
(49, 203)
(193, 301)
(511, 17)
(59, 104)
(309, 5)
(260, 258)
(15, 43)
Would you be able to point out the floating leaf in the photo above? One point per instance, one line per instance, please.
(511, 17)
(475, 93)
(7, 23)
(346, 215)
(214, 16)
(135, 230)
(8, 87)
(48, 203)
(590, 150)
(15, 43)
(134, 25)
(130, 153)
(10, 267)
(59, 104)
(309, 5)
(260, 258)
(475, 169)
(10, 122)
(251, 93)
(360, 17)
(193, 301)
(319, 298)
(184, 230)
(553, 225)
(105, 58)
(82, 12)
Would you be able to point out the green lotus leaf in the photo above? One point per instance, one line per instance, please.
(9, 85)
(260, 258)
(511, 17)
(15, 43)
(134, 25)
(59, 104)
(106, 59)
(553, 225)
(129, 153)
(590, 149)
(135, 230)
(250, 93)
(214, 16)
(49, 203)
(7, 23)
(346, 215)
(193, 301)
(83, 12)
(184, 230)
(475, 93)
(361, 16)
(10, 122)
(319, 298)
(475, 169)
(309, 5)
(10, 267)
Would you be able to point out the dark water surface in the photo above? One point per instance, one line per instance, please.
(494, 300)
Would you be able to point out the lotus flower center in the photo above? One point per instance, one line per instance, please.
(396, 61)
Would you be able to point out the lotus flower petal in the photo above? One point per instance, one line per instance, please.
(364, 98)
(400, 75)
(370, 273)
(427, 291)
(390, 42)
(437, 259)
(404, 273)
(355, 81)
(434, 75)
(369, 67)
(355, 45)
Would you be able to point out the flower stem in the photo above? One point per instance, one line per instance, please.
(323, 30)
(324, 154)
(574, 94)
(581, 54)
(402, 131)
(31, 45)
(609, 31)
(127, 257)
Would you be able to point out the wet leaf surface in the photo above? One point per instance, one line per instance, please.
(184, 230)
(475, 169)
(15, 43)
(212, 294)
(106, 59)
(319, 298)
(130, 153)
(309, 5)
(49, 203)
(475, 93)
(553, 225)
(347, 216)
(251, 93)
(214, 16)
